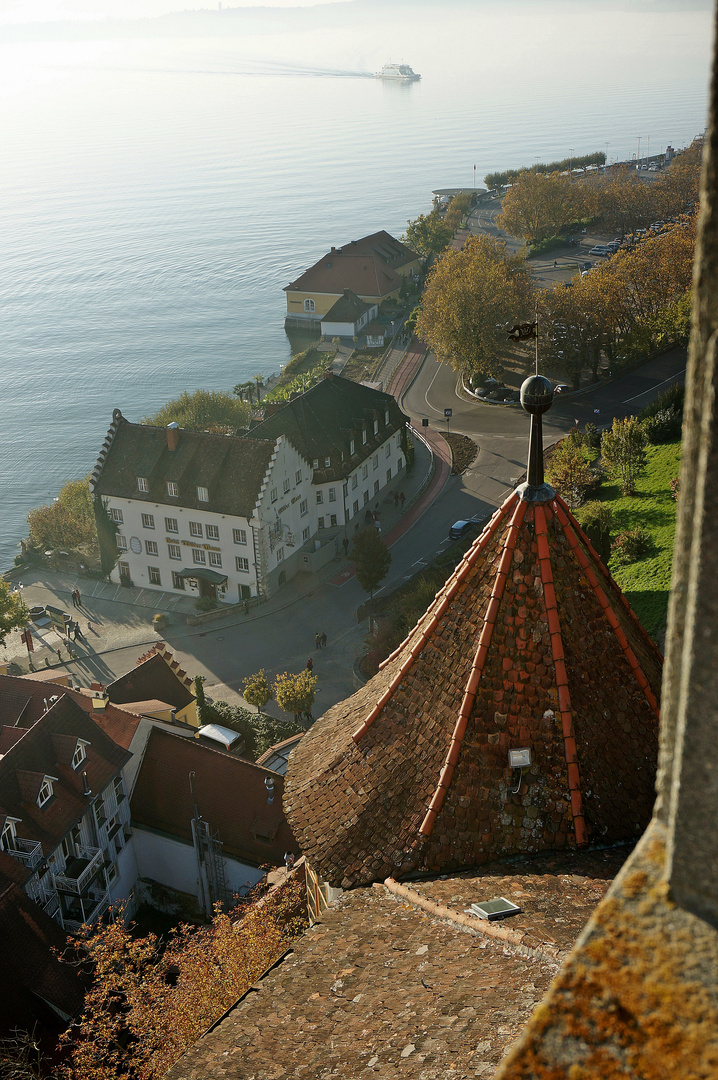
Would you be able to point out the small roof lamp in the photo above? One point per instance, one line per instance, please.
(519, 760)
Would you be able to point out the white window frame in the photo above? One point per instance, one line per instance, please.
(151, 548)
(199, 557)
(202, 494)
(364, 436)
(116, 516)
(355, 482)
(286, 484)
(303, 508)
(305, 534)
(352, 448)
(375, 462)
(45, 793)
(80, 754)
(239, 536)
(172, 489)
(142, 484)
(195, 528)
(320, 497)
(327, 462)
(376, 427)
(364, 470)
(171, 525)
(148, 521)
(153, 575)
(174, 551)
(273, 495)
(215, 558)
(332, 494)
(298, 476)
(320, 523)
(212, 532)
(177, 581)
(120, 542)
(309, 305)
(241, 564)
(280, 554)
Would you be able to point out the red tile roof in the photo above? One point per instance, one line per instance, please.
(230, 792)
(412, 771)
(156, 676)
(23, 701)
(368, 267)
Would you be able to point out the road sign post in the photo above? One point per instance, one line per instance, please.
(448, 413)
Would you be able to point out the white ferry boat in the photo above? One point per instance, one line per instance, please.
(401, 72)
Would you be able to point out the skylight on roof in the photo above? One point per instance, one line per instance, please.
(499, 908)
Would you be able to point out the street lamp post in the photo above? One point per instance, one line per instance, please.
(570, 160)
(638, 155)
(606, 160)
(474, 178)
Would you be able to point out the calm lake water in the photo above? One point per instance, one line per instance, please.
(156, 195)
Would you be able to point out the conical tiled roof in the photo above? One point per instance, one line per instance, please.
(529, 645)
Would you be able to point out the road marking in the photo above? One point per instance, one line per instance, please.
(426, 395)
(626, 401)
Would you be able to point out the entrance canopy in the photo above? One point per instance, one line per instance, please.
(203, 574)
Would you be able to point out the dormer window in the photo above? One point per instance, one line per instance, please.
(327, 462)
(352, 448)
(172, 489)
(45, 793)
(142, 484)
(7, 837)
(309, 305)
(315, 463)
(363, 436)
(202, 494)
(376, 427)
(386, 417)
(80, 753)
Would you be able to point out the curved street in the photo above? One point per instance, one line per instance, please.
(279, 636)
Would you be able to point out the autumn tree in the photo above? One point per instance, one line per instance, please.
(539, 205)
(295, 693)
(371, 557)
(626, 202)
(458, 209)
(623, 452)
(13, 611)
(256, 689)
(204, 410)
(152, 999)
(679, 183)
(428, 235)
(470, 297)
(68, 522)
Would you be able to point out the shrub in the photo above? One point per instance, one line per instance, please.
(672, 398)
(592, 436)
(663, 426)
(205, 603)
(630, 546)
(623, 454)
(597, 519)
(160, 620)
(570, 474)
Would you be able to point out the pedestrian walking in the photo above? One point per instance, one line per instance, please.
(317, 641)
(401, 498)
(77, 633)
(310, 664)
(324, 641)
(79, 598)
(345, 545)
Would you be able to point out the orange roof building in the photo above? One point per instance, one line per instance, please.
(520, 714)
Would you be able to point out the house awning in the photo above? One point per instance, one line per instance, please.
(204, 574)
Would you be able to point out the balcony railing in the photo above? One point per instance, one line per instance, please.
(52, 905)
(79, 871)
(87, 910)
(28, 852)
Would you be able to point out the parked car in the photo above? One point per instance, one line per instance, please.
(561, 388)
(587, 266)
(599, 249)
(460, 528)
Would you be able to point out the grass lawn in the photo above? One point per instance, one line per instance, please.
(646, 583)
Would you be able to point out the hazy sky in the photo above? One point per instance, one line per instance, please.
(21, 11)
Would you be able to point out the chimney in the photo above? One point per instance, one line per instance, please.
(172, 435)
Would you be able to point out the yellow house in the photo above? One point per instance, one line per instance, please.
(157, 687)
(374, 268)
